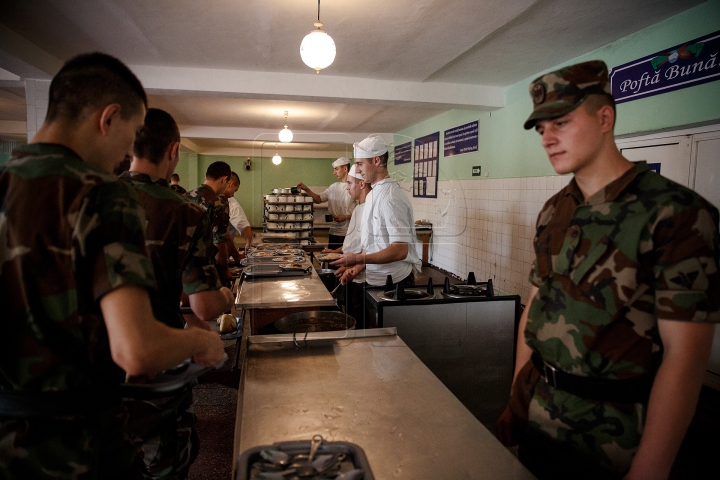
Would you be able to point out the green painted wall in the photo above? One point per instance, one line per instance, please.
(4, 157)
(505, 149)
(261, 179)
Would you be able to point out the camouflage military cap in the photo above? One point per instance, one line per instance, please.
(560, 92)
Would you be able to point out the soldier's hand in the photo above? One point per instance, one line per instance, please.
(212, 349)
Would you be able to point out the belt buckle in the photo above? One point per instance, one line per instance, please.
(546, 367)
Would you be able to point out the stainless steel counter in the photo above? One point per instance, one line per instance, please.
(284, 292)
(372, 391)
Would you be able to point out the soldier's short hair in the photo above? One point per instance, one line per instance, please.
(384, 157)
(159, 130)
(91, 81)
(217, 170)
(175, 177)
(235, 178)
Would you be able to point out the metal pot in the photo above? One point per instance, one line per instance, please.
(315, 321)
(328, 278)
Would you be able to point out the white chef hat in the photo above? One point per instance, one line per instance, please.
(354, 173)
(372, 146)
(341, 161)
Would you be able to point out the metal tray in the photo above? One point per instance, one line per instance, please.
(269, 270)
(354, 453)
(247, 261)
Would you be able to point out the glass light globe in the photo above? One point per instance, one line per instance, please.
(277, 159)
(285, 135)
(317, 50)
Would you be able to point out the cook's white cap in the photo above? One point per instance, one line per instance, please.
(372, 146)
(341, 161)
(354, 173)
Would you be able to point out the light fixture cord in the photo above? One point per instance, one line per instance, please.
(318, 10)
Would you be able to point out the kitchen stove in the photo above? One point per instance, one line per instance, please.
(465, 334)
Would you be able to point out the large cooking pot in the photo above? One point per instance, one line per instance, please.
(315, 321)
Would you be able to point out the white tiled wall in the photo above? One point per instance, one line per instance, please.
(36, 100)
(486, 226)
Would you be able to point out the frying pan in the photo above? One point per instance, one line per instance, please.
(315, 321)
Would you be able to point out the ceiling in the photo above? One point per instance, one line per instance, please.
(228, 69)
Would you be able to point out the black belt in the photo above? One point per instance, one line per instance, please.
(27, 404)
(630, 390)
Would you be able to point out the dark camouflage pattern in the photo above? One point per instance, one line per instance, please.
(607, 268)
(218, 212)
(178, 242)
(178, 189)
(558, 93)
(163, 432)
(69, 233)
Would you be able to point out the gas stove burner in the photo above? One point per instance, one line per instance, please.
(410, 294)
(479, 289)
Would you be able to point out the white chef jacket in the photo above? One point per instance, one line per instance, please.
(339, 203)
(238, 219)
(352, 241)
(388, 218)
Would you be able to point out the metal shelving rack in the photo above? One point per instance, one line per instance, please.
(289, 213)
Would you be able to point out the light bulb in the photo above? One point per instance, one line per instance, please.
(285, 135)
(277, 159)
(317, 49)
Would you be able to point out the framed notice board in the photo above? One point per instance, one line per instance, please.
(426, 168)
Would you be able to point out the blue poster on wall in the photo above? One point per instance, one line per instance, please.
(426, 168)
(462, 139)
(403, 153)
(691, 63)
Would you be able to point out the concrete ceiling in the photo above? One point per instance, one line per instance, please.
(228, 69)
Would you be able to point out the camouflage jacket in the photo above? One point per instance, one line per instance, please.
(178, 244)
(606, 269)
(178, 189)
(218, 212)
(69, 234)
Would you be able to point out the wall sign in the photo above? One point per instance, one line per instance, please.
(403, 153)
(681, 66)
(462, 139)
(476, 171)
(425, 172)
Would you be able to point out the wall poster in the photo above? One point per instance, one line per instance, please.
(426, 168)
(692, 63)
(403, 153)
(462, 139)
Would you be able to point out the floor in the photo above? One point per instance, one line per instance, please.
(215, 406)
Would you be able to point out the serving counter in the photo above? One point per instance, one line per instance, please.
(266, 300)
(365, 387)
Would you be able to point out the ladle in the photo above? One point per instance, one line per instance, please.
(308, 470)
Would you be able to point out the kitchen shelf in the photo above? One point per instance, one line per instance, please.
(302, 210)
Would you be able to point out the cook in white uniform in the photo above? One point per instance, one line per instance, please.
(388, 226)
(340, 204)
(238, 220)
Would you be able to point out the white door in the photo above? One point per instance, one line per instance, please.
(707, 184)
(666, 159)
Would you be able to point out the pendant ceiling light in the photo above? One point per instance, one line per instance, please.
(317, 48)
(285, 134)
(277, 159)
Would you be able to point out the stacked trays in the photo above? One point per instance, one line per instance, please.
(288, 212)
(276, 263)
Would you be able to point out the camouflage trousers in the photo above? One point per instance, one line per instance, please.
(568, 437)
(163, 433)
(93, 447)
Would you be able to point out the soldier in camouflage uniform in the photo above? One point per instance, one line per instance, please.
(178, 244)
(74, 282)
(175, 184)
(620, 322)
(208, 195)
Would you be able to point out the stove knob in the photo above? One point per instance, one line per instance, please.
(389, 284)
(471, 279)
(430, 288)
(490, 291)
(446, 287)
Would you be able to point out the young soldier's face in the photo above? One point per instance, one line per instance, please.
(573, 141)
(354, 187)
(121, 139)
